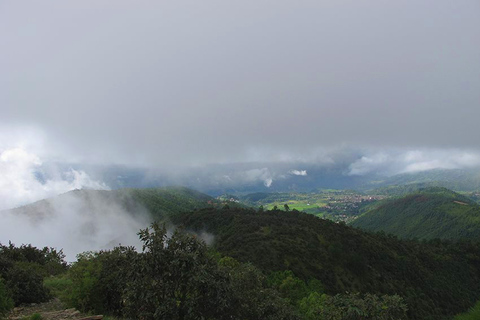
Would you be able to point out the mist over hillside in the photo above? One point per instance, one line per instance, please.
(90, 220)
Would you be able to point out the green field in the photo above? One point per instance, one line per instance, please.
(332, 204)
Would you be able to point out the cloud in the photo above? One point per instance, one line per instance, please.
(183, 83)
(22, 179)
(408, 161)
(262, 174)
(298, 172)
(77, 221)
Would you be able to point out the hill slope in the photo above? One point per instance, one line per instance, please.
(428, 214)
(157, 201)
(455, 179)
(84, 220)
(436, 279)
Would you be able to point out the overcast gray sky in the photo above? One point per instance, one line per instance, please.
(194, 82)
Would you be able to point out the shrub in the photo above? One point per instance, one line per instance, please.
(6, 302)
(25, 283)
(472, 314)
(98, 280)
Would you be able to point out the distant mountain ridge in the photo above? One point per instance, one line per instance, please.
(158, 202)
(454, 179)
(244, 178)
(427, 214)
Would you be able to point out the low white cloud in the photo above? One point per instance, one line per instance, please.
(77, 221)
(397, 161)
(298, 172)
(262, 174)
(22, 180)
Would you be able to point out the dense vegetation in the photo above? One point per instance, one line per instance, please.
(427, 214)
(22, 270)
(161, 202)
(277, 264)
(179, 277)
(437, 279)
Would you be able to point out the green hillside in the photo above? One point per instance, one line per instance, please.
(454, 179)
(158, 202)
(437, 279)
(427, 214)
(165, 201)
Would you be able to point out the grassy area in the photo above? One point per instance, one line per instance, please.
(337, 205)
(60, 287)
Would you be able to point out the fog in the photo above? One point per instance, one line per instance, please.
(191, 83)
(77, 221)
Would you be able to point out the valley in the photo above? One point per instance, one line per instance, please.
(336, 205)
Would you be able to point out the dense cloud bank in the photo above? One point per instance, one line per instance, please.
(197, 83)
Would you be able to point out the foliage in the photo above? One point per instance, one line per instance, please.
(160, 202)
(176, 278)
(437, 279)
(6, 302)
(428, 214)
(253, 297)
(36, 316)
(60, 286)
(472, 314)
(24, 269)
(356, 307)
(99, 279)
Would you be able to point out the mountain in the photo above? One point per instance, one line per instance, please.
(454, 179)
(436, 279)
(251, 177)
(158, 202)
(427, 214)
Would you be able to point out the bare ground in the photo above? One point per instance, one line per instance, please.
(52, 310)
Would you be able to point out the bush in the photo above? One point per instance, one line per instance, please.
(24, 268)
(177, 278)
(25, 283)
(6, 302)
(60, 287)
(472, 314)
(99, 279)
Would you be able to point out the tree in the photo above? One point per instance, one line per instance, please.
(287, 208)
(175, 278)
(178, 278)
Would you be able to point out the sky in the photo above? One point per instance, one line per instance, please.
(191, 83)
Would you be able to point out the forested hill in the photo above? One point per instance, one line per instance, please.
(428, 214)
(437, 279)
(158, 202)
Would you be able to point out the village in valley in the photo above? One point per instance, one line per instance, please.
(336, 205)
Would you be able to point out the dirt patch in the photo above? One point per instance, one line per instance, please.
(52, 310)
